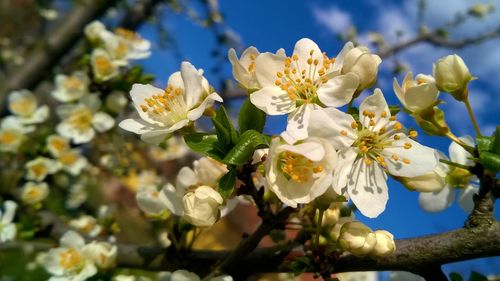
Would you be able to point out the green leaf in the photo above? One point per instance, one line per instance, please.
(251, 118)
(205, 144)
(483, 143)
(226, 133)
(301, 265)
(244, 149)
(455, 277)
(226, 183)
(394, 109)
(490, 161)
(475, 276)
(495, 146)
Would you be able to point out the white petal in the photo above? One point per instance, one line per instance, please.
(192, 84)
(329, 123)
(9, 212)
(155, 137)
(465, 199)
(267, 65)
(102, 122)
(423, 159)
(173, 200)
(139, 93)
(185, 178)
(375, 103)
(367, 188)
(313, 151)
(272, 100)
(338, 91)
(298, 121)
(436, 201)
(339, 60)
(137, 126)
(345, 166)
(207, 102)
(458, 154)
(72, 239)
(8, 232)
(302, 49)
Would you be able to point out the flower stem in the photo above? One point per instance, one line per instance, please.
(318, 227)
(451, 163)
(472, 117)
(460, 142)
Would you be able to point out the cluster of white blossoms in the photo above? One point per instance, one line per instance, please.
(76, 260)
(194, 196)
(324, 148)
(113, 50)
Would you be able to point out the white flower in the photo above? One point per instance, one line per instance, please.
(124, 45)
(77, 196)
(298, 173)
(357, 238)
(7, 227)
(57, 144)
(71, 87)
(12, 134)
(385, 243)
(360, 61)
(201, 206)
(146, 179)
(244, 68)
(94, 30)
(335, 233)
(41, 167)
(67, 262)
(175, 148)
(295, 85)
(184, 275)
(79, 122)
(368, 149)
(72, 161)
(24, 106)
(416, 95)
(116, 101)
(103, 66)
(102, 254)
(34, 192)
(455, 178)
(155, 203)
(162, 112)
(86, 224)
(432, 181)
(452, 76)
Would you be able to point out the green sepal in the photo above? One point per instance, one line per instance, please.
(226, 183)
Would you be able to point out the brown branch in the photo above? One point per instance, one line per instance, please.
(435, 39)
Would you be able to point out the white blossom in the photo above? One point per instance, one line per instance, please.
(8, 229)
(24, 106)
(72, 87)
(416, 95)
(34, 192)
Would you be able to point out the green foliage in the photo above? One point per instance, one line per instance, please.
(226, 133)
(301, 265)
(226, 183)
(394, 109)
(245, 147)
(475, 276)
(205, 144)
(251, 118)
(455, 277)
(489, 150)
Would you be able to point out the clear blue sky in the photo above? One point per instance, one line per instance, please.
(270, 25)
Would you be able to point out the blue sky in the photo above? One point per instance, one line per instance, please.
(270, 25)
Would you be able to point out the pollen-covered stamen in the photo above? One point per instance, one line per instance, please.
(73, 83)
(298, 167)
(103, 64)
(301, 85)
(251, 65)
(70, 259)
(168, 107)
(8, 137)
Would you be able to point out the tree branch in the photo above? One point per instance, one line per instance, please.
(435, 39)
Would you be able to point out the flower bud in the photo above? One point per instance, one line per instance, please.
(330, 216)
(357, 238)
(416, 95)
(364, 64)
(201, 206)
(452, 76)
(335, 234)
(432, 181)
(385, 243)
(103, 254)
(116, 102)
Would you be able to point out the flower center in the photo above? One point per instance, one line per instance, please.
(73, 84)
(68, 158)
(251, 65)
(24, 106)
(33, 193)
(8, 137)
(297, 167)
(70, 259)
(301, 85)
(39, 169)
(127, 34)
(81, 119)
(372, 140)
(167, 108)
(59, 144)
(103, 65)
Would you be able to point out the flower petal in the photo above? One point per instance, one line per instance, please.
(298, 121)
(185, 179)
(313, 151)
(267, 65)
(207, 102)
(138, 94)
(192, 84)
(436, 201)
(345, 165)
(102, 122)
(458, 154)
(329, 123)
(172, 200)
(72, 239)
(272, 100)
(367, 188)
(465, 199)
(339, 60)
(375, 103)
(303, 49)
(338, 91)
(422, 159)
